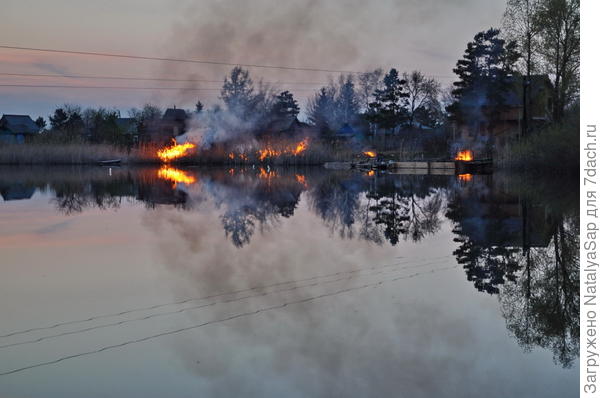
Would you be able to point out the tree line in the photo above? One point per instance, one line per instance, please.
(538, 37)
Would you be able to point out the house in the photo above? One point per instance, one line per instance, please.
(174, 121)
(497, 125)
(286, 127)
(17, 129)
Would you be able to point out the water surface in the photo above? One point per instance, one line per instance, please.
(263, 282)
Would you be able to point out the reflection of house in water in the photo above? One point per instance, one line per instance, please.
(493, 218)
(16, 192)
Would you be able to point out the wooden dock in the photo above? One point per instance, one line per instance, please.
(438, 167)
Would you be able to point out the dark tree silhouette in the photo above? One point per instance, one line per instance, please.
(484, 73)
(388, 110)
(285, 106)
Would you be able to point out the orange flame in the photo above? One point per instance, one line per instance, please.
(466, 155)
(370, 154)
(294, 150)
(465, 177)
(175, 151)
(231, 155)
(264, 174)
(300, 147)
(267, 153)
(175, 175)
(302, 180)
(370, 173)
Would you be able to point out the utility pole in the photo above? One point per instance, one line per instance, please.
(524, 125)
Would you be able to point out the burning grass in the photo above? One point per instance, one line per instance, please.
(175, 151)
(370, 154)
(464, 155)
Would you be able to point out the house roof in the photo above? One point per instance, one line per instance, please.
(175, 114)
(18, 124)
(514, 96)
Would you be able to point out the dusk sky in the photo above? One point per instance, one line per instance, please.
(352, 35)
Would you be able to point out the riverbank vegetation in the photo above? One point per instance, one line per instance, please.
(512, 99)
(553, 149)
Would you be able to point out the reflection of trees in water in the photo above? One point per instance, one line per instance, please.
(336, 201)
(255, 203)
(542, 307)
(74, 197)
(240, 223)
(389, 207)
(376, 209)
(528, 255)
(486, 265)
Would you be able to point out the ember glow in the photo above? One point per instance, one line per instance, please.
(267, 153)
(292, 149)
(175, 151)
(302, 180)
(370, 154)
(175, 175)
(465, 177)
(266, 175)
(300, 147)
(466, 155)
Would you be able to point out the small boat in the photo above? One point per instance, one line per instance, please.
(110, 162)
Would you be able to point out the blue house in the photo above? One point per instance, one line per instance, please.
(16, 129)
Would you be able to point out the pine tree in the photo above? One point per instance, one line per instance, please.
(285, 106)
(485, 75)
(389, 108)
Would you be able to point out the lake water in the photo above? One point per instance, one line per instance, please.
(259, 282)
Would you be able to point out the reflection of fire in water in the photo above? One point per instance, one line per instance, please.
(302, 180)
(465, 177)
(264, 174)
(175, 151)
(466, 155)
(370, 154)
(175, 175)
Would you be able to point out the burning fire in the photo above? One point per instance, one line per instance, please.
(294, 150)
(465, 177)
(466, 155)
(267, 153)
(175, 151)
(300, 147)
(370, 154)
(370, 173)
(175, 175)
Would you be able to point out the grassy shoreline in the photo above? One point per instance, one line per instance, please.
(553, 150)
